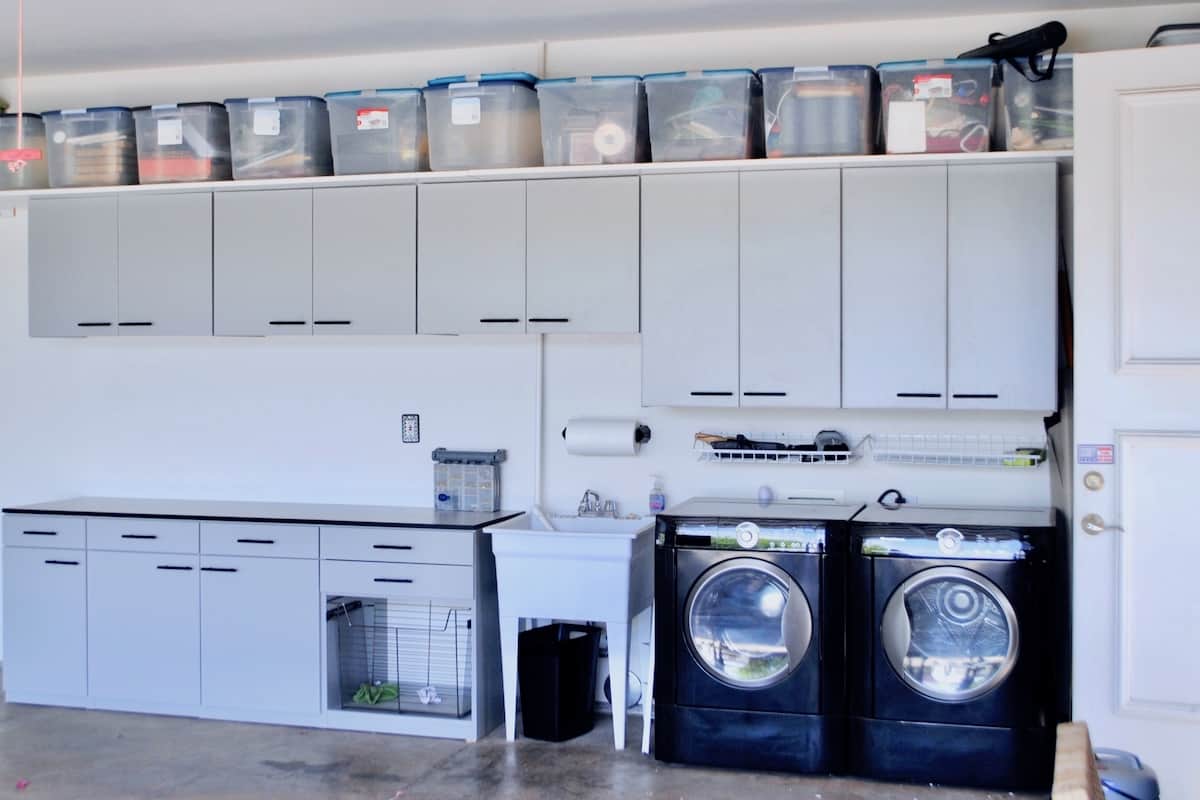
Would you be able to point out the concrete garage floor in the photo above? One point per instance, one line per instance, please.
(67, 754)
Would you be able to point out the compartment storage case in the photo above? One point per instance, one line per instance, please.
(184, 142)
(698, 116)
(279, 137)
(91, 147)
(938, 106)
(1040, 114)
(378, 130)
(483, 122)
(33, 175)
(820, 111)
(599, 120)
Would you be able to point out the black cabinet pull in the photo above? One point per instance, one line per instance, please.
(218, 569)
(975, 396)
(135, 324)
(393, 547)
(174, 568)
(712, 394)
(256, 541)
(93, 324)
(490, 320)
(549, 319)
(40, 533)
(63, 563)
(765, 394)
(286, 322)
(332, 322)
(393, 580)
(918, 394)
(138, 536)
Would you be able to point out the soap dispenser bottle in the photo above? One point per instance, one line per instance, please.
(658, 500)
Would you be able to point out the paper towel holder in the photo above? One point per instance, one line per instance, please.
(641, 434)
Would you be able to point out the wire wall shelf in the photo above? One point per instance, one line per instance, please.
(959, 450)
(773, 448)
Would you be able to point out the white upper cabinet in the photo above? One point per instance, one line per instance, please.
(73, 266)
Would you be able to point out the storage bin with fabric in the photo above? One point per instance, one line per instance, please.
(820, 111)
(184, 142)
(698, 116)
(378, 130)
(483, 122)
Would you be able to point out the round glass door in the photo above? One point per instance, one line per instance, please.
(950, 634)
(748, 623)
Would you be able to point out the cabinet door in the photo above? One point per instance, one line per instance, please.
(791, 289)
(894, 287)
(364, 260)
(165, 267)
(690, 290)
(143, 629)
(45, 624)
(583, 255)
(1003, 277)
(73, 266)
(260, 634)
(471, 258)
(262, 263)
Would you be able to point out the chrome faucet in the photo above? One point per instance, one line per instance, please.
(589, 506)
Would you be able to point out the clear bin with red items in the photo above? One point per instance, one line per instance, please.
(938, 106)
(183, 142)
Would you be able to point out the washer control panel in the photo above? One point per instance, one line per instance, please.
(752, 535)
(746, 534)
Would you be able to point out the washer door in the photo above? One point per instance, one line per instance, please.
(748, 623)
(950, 634)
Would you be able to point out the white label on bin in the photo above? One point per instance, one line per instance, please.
(464, 111)
(170, 131)
(266, 122)
(906, 126)
(371, 119)
(933, 87)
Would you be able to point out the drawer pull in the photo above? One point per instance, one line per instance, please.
(174, 568)
(393, 546)
(765, 394)
(975, 396)
(918, 394)
(218, 569)
(332, 322)
(256, 541)
(40, 533)
(138, 536)
(498, 320)
(93, 324)
(393, 580)
(712, 394)
(286, 322)
(563, 320)
(63, 563)
(135, 324)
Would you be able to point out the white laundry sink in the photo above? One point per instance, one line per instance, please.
(529, 524)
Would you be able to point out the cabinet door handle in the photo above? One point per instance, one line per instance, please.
(332, 322)
(286, 322)
(62, 563)
(174, 568)
(393, 580)
(393, 547)
(40, 533)
(218, 569)
(93, 324)
(918, 394)
(975, 396)
(498, 320)
(135, 324)
(765, 394)
(256, 541)
(138, 536)
(712, 394)
(549, 319)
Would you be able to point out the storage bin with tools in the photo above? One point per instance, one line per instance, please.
(91, 147)
(183, 142)
(23, 167)
(820, 111)
(1040, 111)
(483, 122)
(279, 137)
(378, 130)
(938, 106)
(698, 116)
(598, 120)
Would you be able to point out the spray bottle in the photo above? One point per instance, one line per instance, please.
(658, 500)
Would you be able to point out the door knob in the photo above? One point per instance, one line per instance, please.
(1094, 524)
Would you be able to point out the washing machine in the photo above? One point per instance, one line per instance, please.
(955, 646)
(750, 635)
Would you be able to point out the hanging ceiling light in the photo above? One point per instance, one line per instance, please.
(17, 158)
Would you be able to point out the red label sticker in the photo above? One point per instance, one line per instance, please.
(933, 87)
(371, 119)
(21, 155)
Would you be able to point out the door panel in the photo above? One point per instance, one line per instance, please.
(73, 266)
(45, 623)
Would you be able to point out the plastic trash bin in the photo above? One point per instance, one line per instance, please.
(483, 122)
(378, 130)
(183, 142)
(1040, 114)
(598, 120)
(938, 106)
(698, 116)
(32, 173)
(556, 667)
(279, 137)
(820, 111)
(91, 147)
(1124, 776)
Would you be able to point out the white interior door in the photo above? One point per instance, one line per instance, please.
(1137, 388)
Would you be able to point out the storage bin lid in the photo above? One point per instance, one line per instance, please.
(1184, 33)
(237, 101)
(24, 114)
(370, 92)
(952, 63)
(592, 79)
(175, 106)
(816, 70)
(95, 110)
(707, 73)
(487, 77)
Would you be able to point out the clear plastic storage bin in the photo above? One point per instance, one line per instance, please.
(600, 120)
(820, 111)
(697, 116)
(378, 130)
(91, 147)
(938, 106)
(1171, 35)
(488, 121)
(1040, 113)
(279, 137)
(24, 168)
(184, 142)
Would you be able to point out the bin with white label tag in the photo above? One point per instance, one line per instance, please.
(91, 147)
(938, 106)
(378, 130)
(484, 121)
(183, 142)
(279, 137)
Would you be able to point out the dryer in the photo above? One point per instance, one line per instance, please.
(955, 647)
(750, 635)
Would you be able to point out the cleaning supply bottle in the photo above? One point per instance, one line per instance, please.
(658, 500)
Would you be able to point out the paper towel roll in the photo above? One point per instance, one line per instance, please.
(604, 437)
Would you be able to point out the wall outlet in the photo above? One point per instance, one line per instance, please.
(410, 428)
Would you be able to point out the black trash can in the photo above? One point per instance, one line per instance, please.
(556, 666)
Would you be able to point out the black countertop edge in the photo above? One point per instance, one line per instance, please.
(502, 516)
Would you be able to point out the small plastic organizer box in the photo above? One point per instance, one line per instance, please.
(91, 147)
(466, 480)
(485, 121)
(698, 116)
(25, 169)
(184, 142)
(1039, 112)
(378, 130)
(820, 111)
(599, 120)
(279, 137)
(938, 106)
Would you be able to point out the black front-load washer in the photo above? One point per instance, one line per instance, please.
(750, 635)
(955, 646)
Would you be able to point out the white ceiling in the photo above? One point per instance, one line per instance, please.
(84, 35)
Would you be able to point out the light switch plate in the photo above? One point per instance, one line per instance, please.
(410, 428)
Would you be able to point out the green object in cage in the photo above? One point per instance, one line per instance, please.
(374, 694)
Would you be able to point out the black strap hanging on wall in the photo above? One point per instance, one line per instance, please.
(1026, 45)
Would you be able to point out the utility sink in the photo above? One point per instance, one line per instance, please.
(529, 524)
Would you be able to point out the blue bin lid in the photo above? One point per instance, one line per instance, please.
(592, 79)
(237, 101)
(706, 73)
(815, 70)
(487, 77)
(361, 92)
(953, 63)
(173, 106)
(93, 110)
(23, 114)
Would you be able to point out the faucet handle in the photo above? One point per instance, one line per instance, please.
(610, 509)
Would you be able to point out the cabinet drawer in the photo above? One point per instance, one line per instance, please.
(409, 545)
(38, 530)
(258, 539)
(144, 535)
(416, 581)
